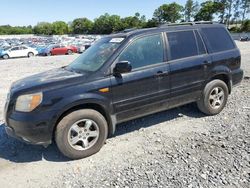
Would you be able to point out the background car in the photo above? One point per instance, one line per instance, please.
(244, 38)
(62, 50)
(18, 51)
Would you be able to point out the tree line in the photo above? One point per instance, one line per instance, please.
(233, 13)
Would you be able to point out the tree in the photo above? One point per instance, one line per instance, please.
(245, 27)
(190, 10)
(168, 13)
(237, 11)
(43, 28)
(151, 23)
(245, 6)
(222, 13)
(229, 14)
(136, 21)
(9, 30)
(60, 28)
(208, 9)
(107, 24)
(82, 26)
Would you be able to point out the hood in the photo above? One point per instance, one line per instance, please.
(50, 79)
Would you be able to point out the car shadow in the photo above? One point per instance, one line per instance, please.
(19, 152)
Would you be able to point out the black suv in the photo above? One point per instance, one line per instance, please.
(122, 77)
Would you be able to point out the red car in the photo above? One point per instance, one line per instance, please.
(62, 50)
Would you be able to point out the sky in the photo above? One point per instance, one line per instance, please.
(30, 12)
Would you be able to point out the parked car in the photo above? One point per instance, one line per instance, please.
(18, 51)
(244, 38)
(122, 77)
(61, 50)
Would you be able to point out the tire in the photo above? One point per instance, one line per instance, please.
(30, 54)
(6, 56)
(79, 120)
(69, 52)
(214, 97)
(49, 54)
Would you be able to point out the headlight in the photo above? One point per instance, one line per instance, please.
(27, 103)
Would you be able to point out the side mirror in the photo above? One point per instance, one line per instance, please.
(122, 67)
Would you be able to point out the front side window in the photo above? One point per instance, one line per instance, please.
(14, 49)
(95, 56)
(182, 44)
(144, 51)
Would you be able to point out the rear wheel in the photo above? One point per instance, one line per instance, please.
(6, 56)
(81, 133)
(69, 52)
(214, 97)
(30, 54)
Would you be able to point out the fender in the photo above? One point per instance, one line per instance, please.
(84, 99)
(221, 70)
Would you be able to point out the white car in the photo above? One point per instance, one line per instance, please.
(18, 51)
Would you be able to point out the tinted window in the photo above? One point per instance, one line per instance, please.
(14, 49)
(218, 39)
(23, 48)
(201, 47)
(182, 44)
(144, 51)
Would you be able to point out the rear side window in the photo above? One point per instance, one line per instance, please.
(200, 44)
(182, 44)
(218, 39)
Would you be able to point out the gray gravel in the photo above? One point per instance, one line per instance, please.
(176, 148)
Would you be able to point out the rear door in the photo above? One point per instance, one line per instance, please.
(24, 51)
(137, 93)
(188, 61)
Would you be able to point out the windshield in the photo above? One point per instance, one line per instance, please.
(95, 56)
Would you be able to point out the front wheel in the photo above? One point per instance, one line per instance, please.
(81, 133)
(214, 97)
(6, 56)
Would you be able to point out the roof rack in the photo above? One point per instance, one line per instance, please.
(187, 23)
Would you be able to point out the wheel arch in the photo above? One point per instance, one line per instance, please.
(223, 77)
(88, 105)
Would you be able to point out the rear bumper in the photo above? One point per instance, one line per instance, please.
(237, 76)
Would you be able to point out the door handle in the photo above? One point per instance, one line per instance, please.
(206, 63)
(161, 74)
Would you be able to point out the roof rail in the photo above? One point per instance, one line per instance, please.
(187, 23)
(129, 30)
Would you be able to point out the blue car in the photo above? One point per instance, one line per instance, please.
(3, 52)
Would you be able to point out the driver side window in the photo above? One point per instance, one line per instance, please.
(144, 51)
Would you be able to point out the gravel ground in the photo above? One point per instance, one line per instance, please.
(176, 148)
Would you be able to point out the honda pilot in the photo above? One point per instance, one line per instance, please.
(122, 77)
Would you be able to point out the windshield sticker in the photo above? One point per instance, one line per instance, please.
(116, 40)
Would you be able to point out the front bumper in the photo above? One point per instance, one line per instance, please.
(34, 129)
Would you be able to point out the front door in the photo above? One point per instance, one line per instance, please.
(136, 93)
